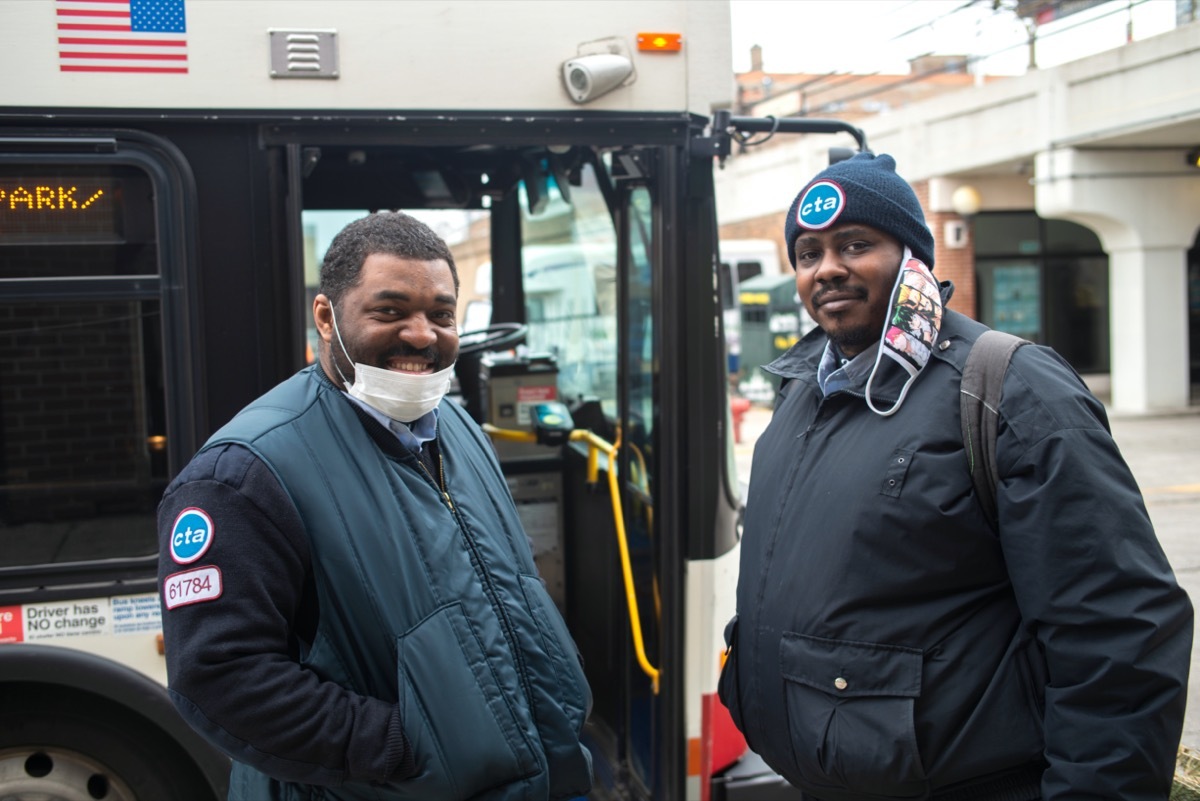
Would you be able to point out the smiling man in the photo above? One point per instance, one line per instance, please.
(350, 606)
(892, 640)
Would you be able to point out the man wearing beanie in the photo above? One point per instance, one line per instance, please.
(894, 640)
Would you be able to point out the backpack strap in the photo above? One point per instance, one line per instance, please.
(979, 405)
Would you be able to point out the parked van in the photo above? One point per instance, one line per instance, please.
(741, 260)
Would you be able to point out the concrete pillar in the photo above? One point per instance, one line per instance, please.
(1145, 208)
(1148, 324)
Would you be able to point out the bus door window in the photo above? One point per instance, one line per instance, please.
(568, 266)
(82, 407)
(594, 313)
(638, 470)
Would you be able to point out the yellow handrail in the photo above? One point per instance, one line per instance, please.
(597, 445)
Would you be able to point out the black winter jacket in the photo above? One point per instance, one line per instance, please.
(890, 644)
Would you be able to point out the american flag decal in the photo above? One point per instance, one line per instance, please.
(147, 36)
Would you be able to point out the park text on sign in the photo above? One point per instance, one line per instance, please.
(48, 198)
(67, 208)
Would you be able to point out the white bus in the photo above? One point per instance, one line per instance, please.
(161, 179)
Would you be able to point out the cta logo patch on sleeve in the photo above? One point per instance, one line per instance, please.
(191, 535)
(192, 587)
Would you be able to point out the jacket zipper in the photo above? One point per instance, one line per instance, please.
(488, 585)
(440, 484)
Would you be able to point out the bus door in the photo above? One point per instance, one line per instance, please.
(597, 320)
(614, 282)
(624, 303)
(572, 236)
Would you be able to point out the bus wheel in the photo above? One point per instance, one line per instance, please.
(62, 744)
(35, 772)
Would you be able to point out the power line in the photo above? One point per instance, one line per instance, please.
(932, 22)
(960, 64)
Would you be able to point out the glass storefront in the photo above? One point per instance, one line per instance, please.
(1046, 281)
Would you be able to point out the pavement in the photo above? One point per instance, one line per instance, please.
(1163, 452)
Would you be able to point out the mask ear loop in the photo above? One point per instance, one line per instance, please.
(338, 334)
(887, 323)
(903, 390)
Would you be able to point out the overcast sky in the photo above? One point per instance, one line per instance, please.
(819, 36)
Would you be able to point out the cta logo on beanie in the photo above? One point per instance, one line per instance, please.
(820, 205)
(863, 189)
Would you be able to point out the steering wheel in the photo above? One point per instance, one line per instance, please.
(498, 336)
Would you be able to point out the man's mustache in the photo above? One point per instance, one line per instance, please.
(858, 292)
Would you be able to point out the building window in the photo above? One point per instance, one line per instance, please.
(1046, 281)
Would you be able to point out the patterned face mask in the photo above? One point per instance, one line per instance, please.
(911, 331)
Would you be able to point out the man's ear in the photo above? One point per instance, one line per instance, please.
(322, 312)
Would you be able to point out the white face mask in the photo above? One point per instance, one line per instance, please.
(403, 397)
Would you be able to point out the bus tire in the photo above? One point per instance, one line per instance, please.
(65, 744)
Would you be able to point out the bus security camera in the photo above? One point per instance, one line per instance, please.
(589, 77)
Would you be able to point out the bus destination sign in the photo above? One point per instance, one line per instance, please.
(58, 208)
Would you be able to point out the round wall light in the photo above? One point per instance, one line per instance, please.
(966, 201)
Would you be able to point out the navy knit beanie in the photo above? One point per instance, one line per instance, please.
(862, 189)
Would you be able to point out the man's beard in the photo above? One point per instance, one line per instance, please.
(858, 339)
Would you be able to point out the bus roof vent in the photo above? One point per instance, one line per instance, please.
(303, 54)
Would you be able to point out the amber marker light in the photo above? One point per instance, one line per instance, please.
(660, 42)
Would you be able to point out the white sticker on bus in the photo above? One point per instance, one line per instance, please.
(51, 621)
(136, 614)
(120, 614)
(192, 587)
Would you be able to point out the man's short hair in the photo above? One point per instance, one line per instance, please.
(392, 233)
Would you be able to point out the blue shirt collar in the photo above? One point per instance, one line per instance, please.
(411, 435)
(836, 372)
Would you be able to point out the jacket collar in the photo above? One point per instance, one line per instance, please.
(380, 434)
